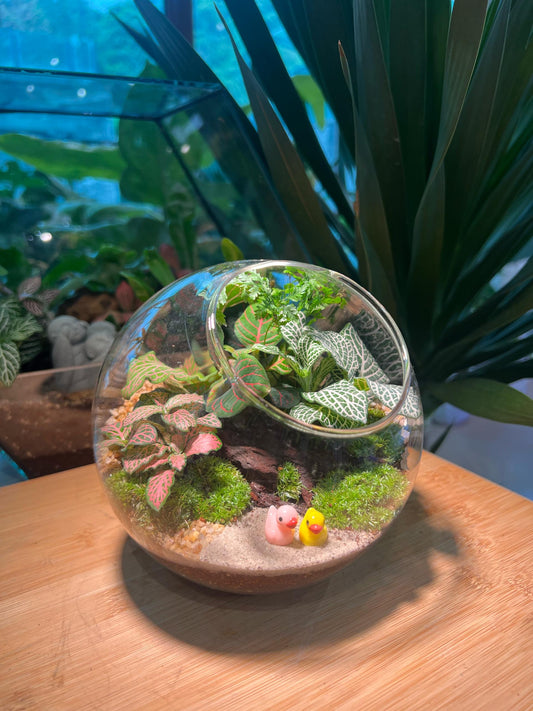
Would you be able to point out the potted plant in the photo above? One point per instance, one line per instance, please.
(281, 394)
(431, 104)
(52, 343)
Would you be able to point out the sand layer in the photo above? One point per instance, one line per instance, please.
(243, 546)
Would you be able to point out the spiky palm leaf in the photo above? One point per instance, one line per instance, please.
(436, 110)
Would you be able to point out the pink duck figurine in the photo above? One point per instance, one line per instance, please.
(280, 524)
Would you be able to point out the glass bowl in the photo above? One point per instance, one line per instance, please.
(257, 425)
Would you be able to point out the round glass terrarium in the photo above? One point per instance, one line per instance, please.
(258, 425)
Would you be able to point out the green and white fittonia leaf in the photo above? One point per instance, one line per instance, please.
(351, 354)
(342, 400)
(311, 414)
(380, 344)
(390, 395)
(9, 362)
(302, 342)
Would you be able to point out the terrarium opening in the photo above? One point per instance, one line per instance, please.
(308, 346)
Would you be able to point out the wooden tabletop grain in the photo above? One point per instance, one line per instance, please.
(437, 615)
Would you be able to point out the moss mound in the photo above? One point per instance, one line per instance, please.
(289, 486)
(360, 500)
(386, 447)
(210, 488)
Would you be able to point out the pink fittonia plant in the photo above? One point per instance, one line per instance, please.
(160, 436)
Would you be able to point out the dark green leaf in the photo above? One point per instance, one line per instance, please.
(487, 398)
(289, 174)
(377, 115)
(64, 159)
(271, 72)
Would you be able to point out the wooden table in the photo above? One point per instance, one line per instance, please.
(438, 615)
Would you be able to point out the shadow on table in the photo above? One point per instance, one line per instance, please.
(389, 574)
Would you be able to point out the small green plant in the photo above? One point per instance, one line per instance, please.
(276, 352)
(289, 485)
(159, 435)
(17, 327)
(360, 500)
(223, 492)
(211, 488)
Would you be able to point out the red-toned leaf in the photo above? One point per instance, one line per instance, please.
(184, 399)
(29, 287)
(134, 463)
(280, 365)
(249, 371)
(33, 306)
(250, 329)
(229, 404)
(177, 461)
(141, 413)
(182, 420)
(158, 488)
(117, 432)
(209, 420)
(146, 433)
(203, 443)
(284, 398)
(190, 366)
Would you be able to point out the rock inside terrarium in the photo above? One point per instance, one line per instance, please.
(266, 429)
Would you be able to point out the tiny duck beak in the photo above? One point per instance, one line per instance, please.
(315, 527)
(292, 522)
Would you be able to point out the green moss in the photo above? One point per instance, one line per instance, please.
(224, 492)
(209, 488)
(360, 499)
(383, 447)
(289, 485)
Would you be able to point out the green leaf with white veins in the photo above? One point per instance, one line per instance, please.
(301, 341)
(390, 396)
(326, 418)
(343, 399)
(293, 331)
(9, 363)
(351, 353)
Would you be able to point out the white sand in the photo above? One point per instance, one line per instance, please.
(243, 546)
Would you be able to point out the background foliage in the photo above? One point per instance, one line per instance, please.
(433, 106)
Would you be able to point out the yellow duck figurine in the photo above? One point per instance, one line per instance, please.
(313, 531)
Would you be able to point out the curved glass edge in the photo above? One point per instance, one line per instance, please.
(77, 94)
(221, 362)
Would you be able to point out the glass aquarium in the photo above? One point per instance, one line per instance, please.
(136, 162)
(258, 425)
(110, 188)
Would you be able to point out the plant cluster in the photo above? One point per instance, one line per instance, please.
(211, 488)
(159, 435)
(289, 484)
(316, 375)
(23, 316)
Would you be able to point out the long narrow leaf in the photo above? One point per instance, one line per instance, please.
(463, 42)
(468, 155)
(408, 51)
(373, 246)
(288, 172)
(270, 70)
(316, 41)
(377, 114)
(487, 398)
